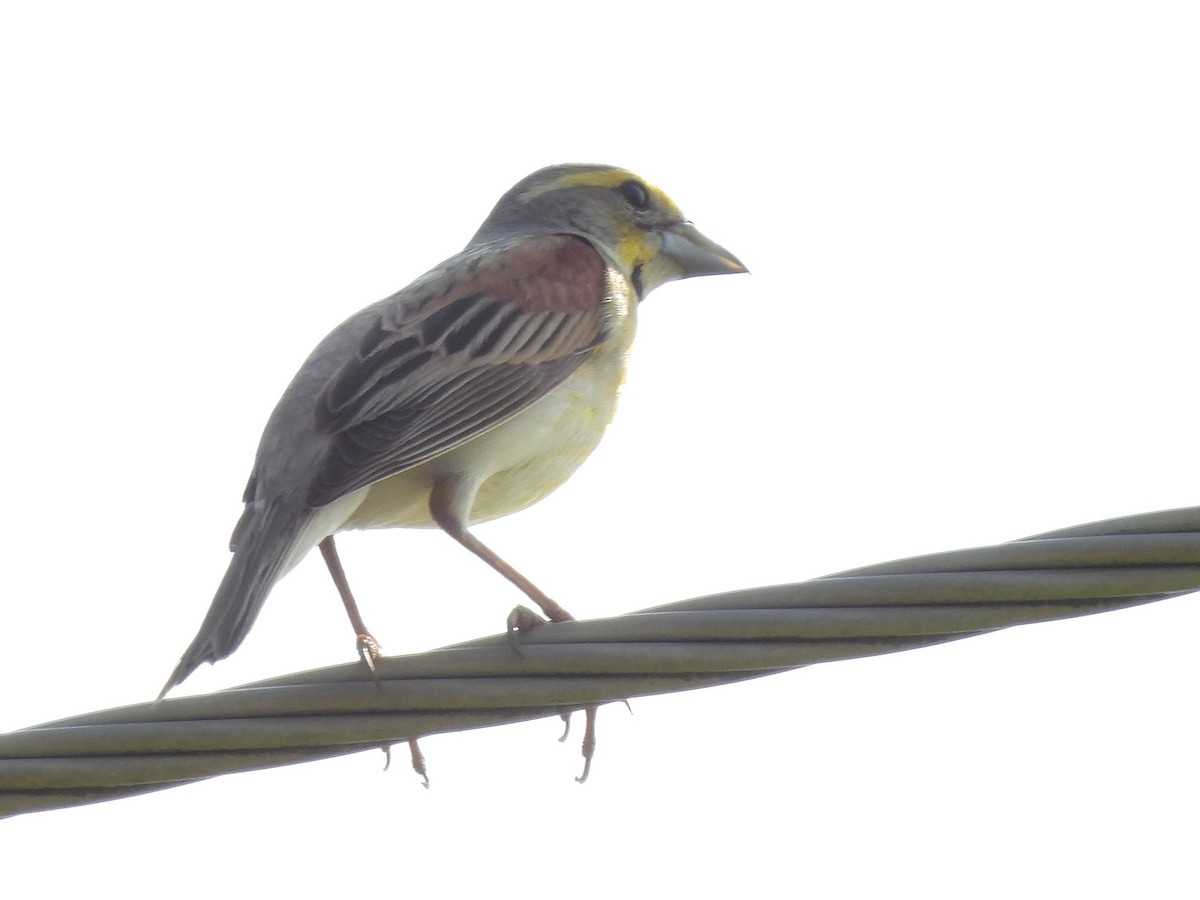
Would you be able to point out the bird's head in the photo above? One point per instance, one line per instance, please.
(637, 227)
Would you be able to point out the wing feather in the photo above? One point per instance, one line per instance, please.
(479, 345)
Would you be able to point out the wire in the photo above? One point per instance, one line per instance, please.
(555, 669)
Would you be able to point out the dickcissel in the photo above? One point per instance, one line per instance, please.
(470, 394)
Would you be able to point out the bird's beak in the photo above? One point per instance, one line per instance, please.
(694, 254)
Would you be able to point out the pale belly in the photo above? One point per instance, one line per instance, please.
(517, 463)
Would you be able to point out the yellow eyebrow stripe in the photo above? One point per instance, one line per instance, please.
(611, 178)
(598, 178)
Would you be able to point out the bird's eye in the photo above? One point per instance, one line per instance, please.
(635, 194)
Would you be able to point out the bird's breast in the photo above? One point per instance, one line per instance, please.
(522, 460)
(541, 448)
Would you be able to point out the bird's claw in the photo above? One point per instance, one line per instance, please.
(418, 763)
(588, 748)
(520, 621)
(368, 650)
(522, 618)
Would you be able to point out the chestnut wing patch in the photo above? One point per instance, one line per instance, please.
(493, 334)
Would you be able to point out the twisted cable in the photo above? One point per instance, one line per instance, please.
(551, 670)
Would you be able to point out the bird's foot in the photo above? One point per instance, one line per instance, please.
(588, 748)
(522, 618)
(369, 652)
(418, 760)
(521, 621)
(418, 763)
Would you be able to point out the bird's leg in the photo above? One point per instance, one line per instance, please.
(368, 647)
(450, 504)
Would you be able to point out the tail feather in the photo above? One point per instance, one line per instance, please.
(265, 544)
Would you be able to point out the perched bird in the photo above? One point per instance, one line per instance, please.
(470, 394)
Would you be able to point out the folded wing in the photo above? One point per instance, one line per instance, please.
(487, 338)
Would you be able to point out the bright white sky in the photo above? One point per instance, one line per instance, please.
(972, 317)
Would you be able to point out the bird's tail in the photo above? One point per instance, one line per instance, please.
(265, 546)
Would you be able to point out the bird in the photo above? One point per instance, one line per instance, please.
(470, 394)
